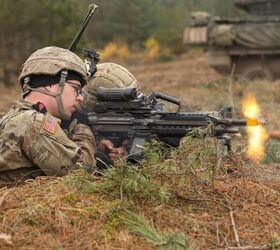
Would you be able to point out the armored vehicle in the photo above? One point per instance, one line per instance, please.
(247, 47)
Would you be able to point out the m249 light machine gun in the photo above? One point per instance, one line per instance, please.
(122, 114)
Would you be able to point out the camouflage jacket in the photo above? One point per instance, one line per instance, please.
(33, 144)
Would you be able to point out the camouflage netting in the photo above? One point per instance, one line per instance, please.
(258, 36)
(250, 2)
(222, 35)
(259, 6)
(200, 18)
(248, 35)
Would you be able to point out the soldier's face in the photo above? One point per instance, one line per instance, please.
(71, 97)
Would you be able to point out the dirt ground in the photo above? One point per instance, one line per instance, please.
(241, 211)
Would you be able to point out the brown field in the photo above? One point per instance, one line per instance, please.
(238, 209)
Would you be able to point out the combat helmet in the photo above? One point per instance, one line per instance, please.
(54, 65)
(51, 61)
(108, 75)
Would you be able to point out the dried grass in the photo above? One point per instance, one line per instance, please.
(231, 206)
(234, 210)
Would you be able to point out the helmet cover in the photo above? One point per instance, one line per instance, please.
(108, 75)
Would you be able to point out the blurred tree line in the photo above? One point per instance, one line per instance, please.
(26, 25)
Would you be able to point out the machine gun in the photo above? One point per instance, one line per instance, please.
(121, 114)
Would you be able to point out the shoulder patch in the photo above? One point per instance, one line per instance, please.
(50, 124)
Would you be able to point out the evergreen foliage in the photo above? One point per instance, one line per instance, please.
(27, 25)
(141, 227)
(159, 176)
(272, 152)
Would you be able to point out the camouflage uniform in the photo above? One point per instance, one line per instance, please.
(33, 143)
(108, 75)
(30, 147)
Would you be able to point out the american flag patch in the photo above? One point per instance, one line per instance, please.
(50, 124)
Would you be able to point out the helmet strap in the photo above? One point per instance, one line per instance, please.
(57, 95)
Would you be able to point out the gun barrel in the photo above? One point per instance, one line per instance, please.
(167, 98)
(243, 122)
(255, 122)
(249, 122)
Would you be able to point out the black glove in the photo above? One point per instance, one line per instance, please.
(102, 161)
(80, 116)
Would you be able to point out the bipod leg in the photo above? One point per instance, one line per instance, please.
(224, 147)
